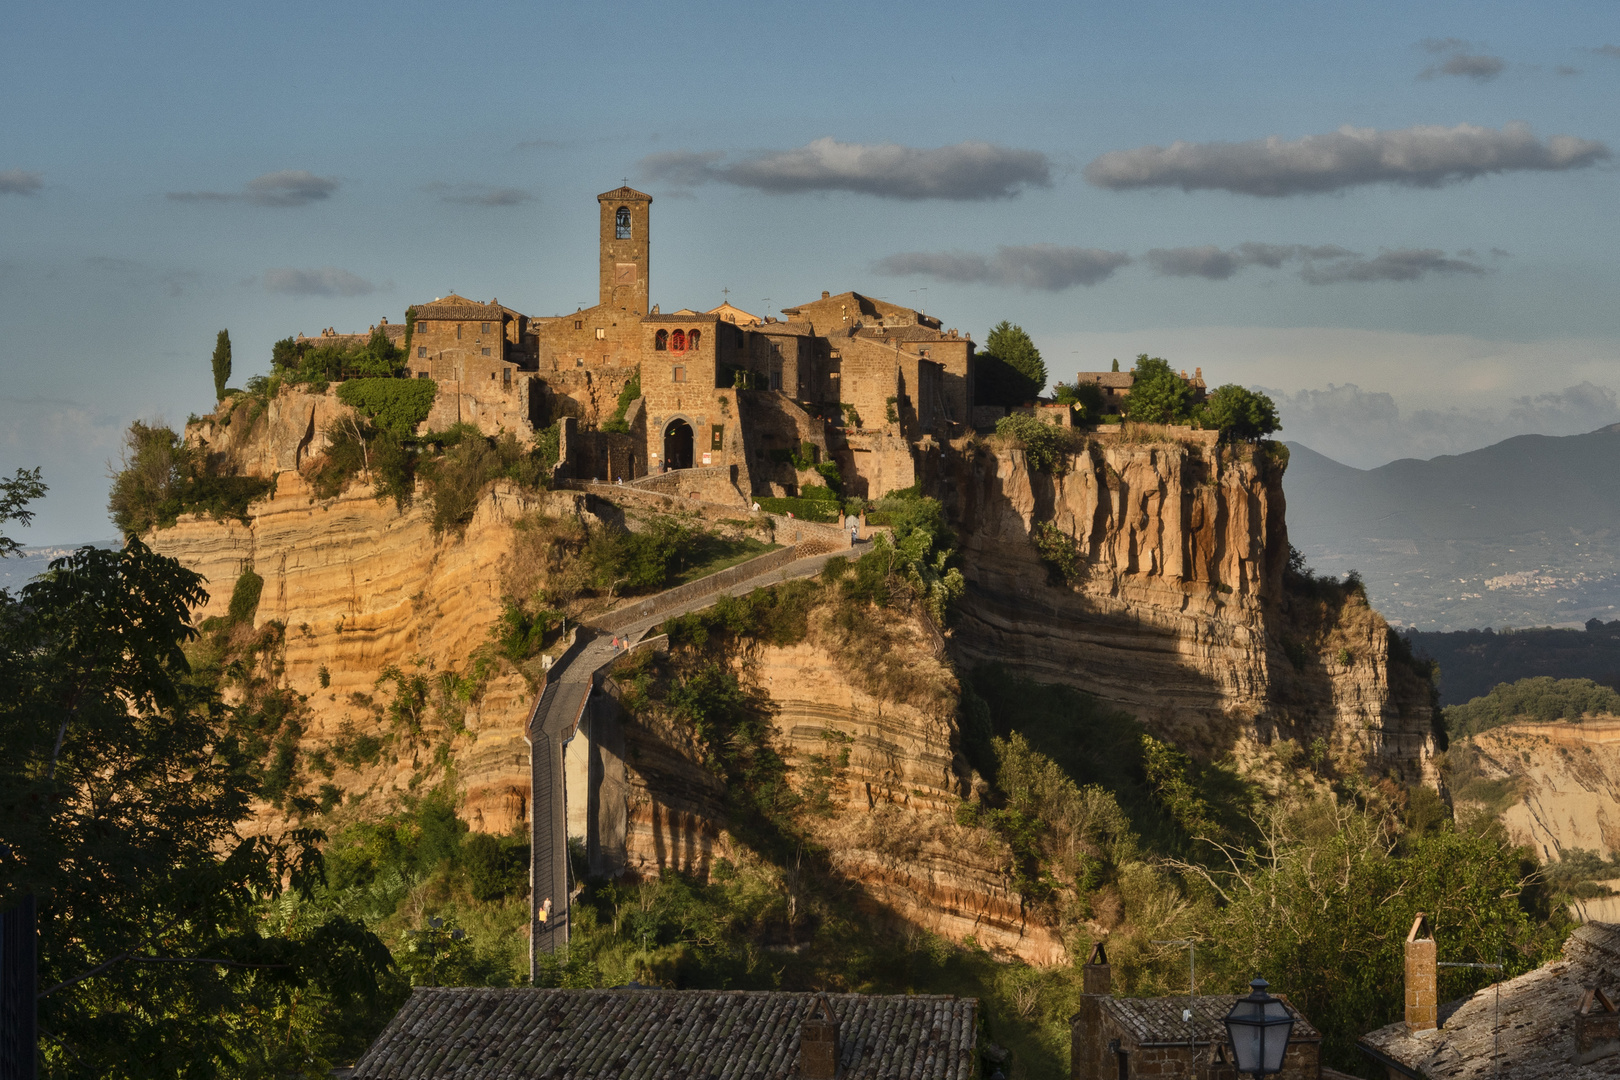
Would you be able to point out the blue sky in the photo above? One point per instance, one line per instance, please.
(1438, 276)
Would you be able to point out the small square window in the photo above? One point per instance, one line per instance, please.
(679, 375)
(486, 353)
(579, 361)
(421, 374)
(421, 350)
(483, 328)
(506, 376)
(579, 324)
(421, 327)
(601, 334)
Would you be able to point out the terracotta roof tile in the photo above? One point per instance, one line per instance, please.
(468, 1033)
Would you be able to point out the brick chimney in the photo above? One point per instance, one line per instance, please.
(818, 1042)
(1597, 1028)
(1422, 977)
(1085, 1027)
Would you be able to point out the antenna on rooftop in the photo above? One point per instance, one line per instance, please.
(1496, 1027)
(1192, 992)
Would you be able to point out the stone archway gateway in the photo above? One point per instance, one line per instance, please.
(678, 445)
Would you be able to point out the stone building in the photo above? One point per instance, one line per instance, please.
(483, 358)
(1169, 1036)
(868, 384)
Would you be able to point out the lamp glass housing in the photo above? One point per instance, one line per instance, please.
(1259, 1027)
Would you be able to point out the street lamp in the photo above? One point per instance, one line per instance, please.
(1258, 1027)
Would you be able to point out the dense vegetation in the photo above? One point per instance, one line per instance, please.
(169, 944)
(1473, 661)
(396, 406)
(310, 940)
(1538, 699)
(163, 478)
(308, 363)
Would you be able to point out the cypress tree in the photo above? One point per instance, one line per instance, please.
(222, 364)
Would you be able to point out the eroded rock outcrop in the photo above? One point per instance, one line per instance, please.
(1178, 609)
(882, 776)
(361, 587)
(1560, 783)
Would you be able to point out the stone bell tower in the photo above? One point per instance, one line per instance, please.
(625, 213)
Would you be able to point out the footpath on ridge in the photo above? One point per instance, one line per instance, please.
(560, 705)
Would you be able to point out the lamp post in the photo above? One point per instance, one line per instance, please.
(1258, 1027)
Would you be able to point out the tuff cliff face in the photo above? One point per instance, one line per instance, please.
(880, 771)
(362, 587)
(1176, 607)
(1556, 786)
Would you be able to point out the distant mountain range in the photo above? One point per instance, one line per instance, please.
(1522, 533)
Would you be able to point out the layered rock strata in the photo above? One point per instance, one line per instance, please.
(883, 778)
(1177, 609)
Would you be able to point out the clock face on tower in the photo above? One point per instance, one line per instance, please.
(624, 273)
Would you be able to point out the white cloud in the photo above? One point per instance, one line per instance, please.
(289, 187)
(966, 171)
(1424, 156)
(1046, 267)
(21, 182)
(326, 281)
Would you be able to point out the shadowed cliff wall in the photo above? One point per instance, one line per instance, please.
(1180, 612)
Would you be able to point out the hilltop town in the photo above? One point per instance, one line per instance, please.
(731, 395)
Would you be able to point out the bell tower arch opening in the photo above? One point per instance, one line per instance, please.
(625, 214)
(678, 445)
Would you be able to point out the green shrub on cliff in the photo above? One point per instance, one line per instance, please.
(162, 478)
(310, 364)
(398, 406)
(1541, 699)
(1046, 446)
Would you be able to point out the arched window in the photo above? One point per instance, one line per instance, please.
(661, 340)
(621, 222)
(692, 339)
(677, 341)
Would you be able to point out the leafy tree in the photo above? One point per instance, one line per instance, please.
(315, 365)
(1239, 414)
(1323, 902)
(118, 808)
(1011, 345)
(163, 478)
(1158, 395)
(15, 495)
(222, 364)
